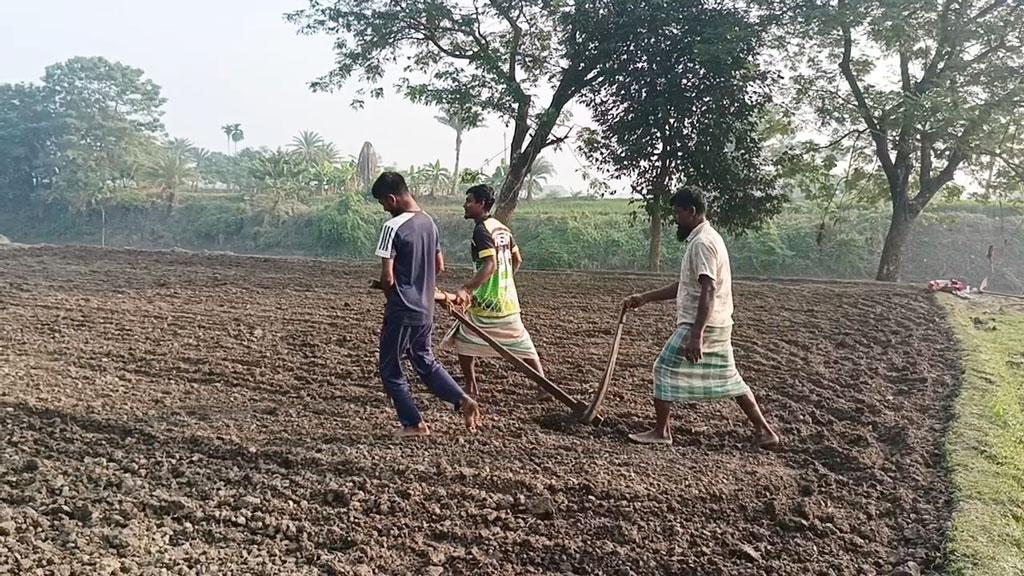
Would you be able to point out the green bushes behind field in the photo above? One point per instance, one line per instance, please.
(949, 239)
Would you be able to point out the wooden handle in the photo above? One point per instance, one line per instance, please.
(548, 386)
(590, 414)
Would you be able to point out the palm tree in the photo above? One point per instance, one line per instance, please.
(538, 177)
(201, 157)
(236, 137)
(234, 134)
(309, 146)
(278, 180)
(180, 146)
(169, 171)
(460, 124)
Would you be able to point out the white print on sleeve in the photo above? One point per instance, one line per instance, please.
(385, 245)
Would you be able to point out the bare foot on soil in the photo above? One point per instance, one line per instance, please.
(470, 413)
(651, 437)
(767, 439)
(419, 431)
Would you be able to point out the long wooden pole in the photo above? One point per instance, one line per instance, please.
(577, 407)
(1003, 294)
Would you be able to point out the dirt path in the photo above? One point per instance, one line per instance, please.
(169, 411)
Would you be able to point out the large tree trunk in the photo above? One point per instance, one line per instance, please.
(509, 197)
(890, 266)
(654, 250)
(659, 197)
(458, 154)
(521, 158)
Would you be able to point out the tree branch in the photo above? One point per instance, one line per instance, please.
(942, 51)
(925, 177)
(986, 53)
(426, 35)
(517, 35)
(987, 10)
(522, 126)
(845, 65)
(1016, 167)
(840, 140)
(906, 135)
(558, 139)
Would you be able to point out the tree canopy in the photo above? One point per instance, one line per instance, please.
(930, 82)
(680, 101)
(471, 59)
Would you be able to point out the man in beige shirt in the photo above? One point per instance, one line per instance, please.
(697, 362)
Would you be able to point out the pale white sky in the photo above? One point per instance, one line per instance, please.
(221, 61)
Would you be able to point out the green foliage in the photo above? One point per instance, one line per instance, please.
(280, 186)
(171, 169)
(348, 226)
(213, 223)
(474, 59)
(29, 131)
(680, 102)
(109, 116)
(931, 83)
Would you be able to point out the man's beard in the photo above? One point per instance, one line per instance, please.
(681, 234)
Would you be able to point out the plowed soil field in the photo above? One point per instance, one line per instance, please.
(171, 413)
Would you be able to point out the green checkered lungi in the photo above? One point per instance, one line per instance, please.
(715, 377)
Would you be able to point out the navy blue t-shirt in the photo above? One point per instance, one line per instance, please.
(410, 239)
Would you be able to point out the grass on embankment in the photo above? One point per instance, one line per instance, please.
(986, 444)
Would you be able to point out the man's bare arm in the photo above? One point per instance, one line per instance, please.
(704, 304)
(667, 293)
(387, 275)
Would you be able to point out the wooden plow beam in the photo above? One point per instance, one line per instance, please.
(586, 413)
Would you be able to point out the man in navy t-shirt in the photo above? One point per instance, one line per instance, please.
(411, 257)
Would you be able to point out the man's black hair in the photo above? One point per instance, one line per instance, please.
(482, 193)
(389, 183)
(690, 196)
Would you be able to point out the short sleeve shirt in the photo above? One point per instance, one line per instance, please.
(497, 296)
(706, 255)
(411, 240)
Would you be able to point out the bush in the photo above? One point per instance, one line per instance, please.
(347, 227)
(214, 223)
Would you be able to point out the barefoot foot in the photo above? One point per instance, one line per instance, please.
(766, 439)
(470, 413)
(651, 437)
(418, 431)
